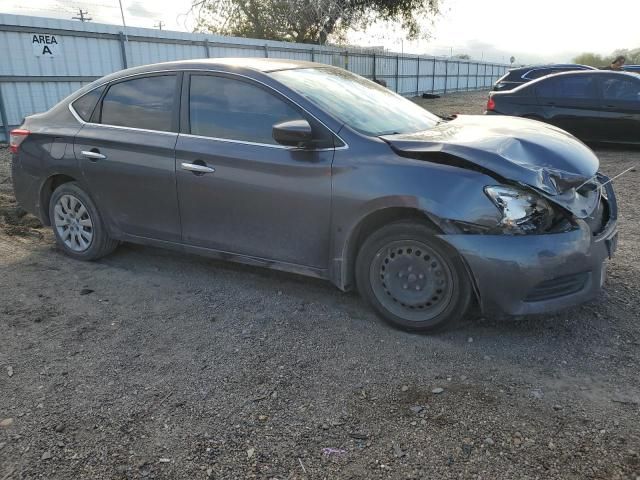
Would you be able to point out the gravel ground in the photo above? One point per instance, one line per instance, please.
(152, 364)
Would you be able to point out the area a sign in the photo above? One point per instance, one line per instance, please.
(45, 45)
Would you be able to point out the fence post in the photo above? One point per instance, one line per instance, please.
(313, 54)
(3, 115)
(418, 78)
(433, 76)
(123, 50)
(374, 66)
(446, 75)
(458, 77)
(206, 47)
(397, 73)
(468, 72)
(346, 59)
(477, 70)
(266, 51)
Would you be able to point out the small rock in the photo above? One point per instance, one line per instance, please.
(262, 418)
(537, 394)
(470, 340)
(10, 371)
(46, 455)
(60, 445)
(463, 377)
(416, 409)
(404, 388)
(489, 441)
(551, 446)
(486, 357)
(437, 390)
(86, 291)
(164, 460)
(250, 452)
(557, 407)
(60, 428)
(7, 422)
(209, 472)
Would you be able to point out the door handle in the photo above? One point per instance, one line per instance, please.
(93, 155)
(195, 168)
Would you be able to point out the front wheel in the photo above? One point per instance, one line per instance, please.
(412, 279)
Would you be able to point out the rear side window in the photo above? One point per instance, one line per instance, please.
(220, 107)
(85, 104)
(541, 72)
(567, 87)
(621, 89)
(141, 103)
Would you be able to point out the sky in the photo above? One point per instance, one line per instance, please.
(495, 30)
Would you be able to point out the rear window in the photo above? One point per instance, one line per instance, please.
(85, 104)
(141, 103)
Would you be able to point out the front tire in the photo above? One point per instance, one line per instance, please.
(77, 224)
(412, 279)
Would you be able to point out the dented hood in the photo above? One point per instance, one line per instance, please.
(524, 151)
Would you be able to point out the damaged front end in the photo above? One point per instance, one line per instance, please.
(545, 179)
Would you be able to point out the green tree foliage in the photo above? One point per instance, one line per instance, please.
(307, 21)
(595, 60)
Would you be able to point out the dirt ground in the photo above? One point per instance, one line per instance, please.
(152, 364)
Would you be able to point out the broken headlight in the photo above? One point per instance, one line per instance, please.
(522, 212)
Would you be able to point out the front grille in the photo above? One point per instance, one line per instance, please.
(558, 287)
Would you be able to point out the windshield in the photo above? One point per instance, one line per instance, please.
(360, 103)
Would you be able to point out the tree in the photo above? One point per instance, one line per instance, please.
(592, 59)
(307, 21)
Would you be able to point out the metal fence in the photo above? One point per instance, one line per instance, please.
(46, 59)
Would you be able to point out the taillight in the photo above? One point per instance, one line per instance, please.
(16, 137)
(491, 104)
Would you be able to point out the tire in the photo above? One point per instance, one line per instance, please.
(412, 279)
(77, 224)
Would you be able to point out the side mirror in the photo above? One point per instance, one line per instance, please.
(294, 133)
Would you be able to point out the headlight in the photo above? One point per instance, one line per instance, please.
(522, 212)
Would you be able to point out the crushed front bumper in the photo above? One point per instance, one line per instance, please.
(530, 274)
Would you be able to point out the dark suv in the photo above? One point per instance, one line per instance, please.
(520, 76)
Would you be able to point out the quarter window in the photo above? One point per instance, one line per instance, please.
(85, 104)
(220, 107)
(141, 103)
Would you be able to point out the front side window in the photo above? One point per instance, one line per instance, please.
(621, 89)
(362, 104)
(141, 103)
(221, 107)
(85, 104)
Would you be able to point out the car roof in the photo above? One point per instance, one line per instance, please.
(236, 65)
(552, 65)
(567, 74)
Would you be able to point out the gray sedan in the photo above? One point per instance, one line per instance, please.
(311, 169)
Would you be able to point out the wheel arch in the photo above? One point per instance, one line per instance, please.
(369, 224)
(47, 189)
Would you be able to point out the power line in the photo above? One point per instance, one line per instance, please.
(81, 16)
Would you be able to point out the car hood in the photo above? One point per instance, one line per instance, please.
(523, 151)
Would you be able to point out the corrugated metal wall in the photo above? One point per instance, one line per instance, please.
(31, 83)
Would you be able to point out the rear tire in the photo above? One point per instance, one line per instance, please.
(413, 279)
(77, 224)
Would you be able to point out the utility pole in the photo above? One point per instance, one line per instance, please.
(81, 16)
(159, 25)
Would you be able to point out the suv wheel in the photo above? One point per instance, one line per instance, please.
(412, 279)
(77, 225)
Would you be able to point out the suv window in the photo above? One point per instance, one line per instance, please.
(85, 104)
(540, 72)
(567, 87)
(621, 89)
(220, 107)
(141, 103)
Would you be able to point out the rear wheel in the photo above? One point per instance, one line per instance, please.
(412, 279)
(77, 224)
